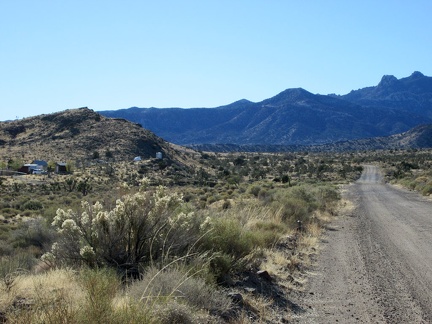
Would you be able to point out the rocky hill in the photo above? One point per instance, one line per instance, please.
(417, 138)
(296, 116)
(79, 133)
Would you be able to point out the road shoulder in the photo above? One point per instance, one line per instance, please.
(338, 289)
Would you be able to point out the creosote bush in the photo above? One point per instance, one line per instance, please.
(32, 205)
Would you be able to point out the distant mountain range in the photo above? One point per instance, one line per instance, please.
(296, 116)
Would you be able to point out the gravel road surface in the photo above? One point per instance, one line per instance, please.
(376, 261)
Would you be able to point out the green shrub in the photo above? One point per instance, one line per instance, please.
(411, 185)
(5, 202)
(255, 190)
(286, 179)
(228, 236)
(294, 210)
(307, 194)
(211, 199)
(265, 195)
(221, 264)
(326, 196)
(33, 233)
(10, 212)
(298, 203)
(32, 205)
(230, 241)
(267, 233)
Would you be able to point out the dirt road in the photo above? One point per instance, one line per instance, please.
(376, 262)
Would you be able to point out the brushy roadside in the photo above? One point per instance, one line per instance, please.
(420, 181)
(186, 266)
(412, 170)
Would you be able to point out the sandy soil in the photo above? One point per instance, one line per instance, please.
(376, 262)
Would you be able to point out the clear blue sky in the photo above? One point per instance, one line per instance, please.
(56, 55)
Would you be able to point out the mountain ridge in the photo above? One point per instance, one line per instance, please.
(412, 94)
(296, 116)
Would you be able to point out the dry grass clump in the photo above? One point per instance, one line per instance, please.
(178, 292)
(259, 307)
(52, 297)
(275, 261)
(69, 296)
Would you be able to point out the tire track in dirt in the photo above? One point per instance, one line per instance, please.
(376, 259)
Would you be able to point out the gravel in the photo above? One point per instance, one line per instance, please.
(376, 260)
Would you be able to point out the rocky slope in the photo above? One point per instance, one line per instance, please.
(419, 137)
(78, 133)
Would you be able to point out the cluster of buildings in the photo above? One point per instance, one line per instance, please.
(41, 167)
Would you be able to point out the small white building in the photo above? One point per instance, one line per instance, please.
(159, 155)
(137, 159)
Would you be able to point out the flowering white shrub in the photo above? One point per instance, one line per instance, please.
(141, 228)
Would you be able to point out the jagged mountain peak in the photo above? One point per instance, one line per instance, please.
(400, 93)
(388, 80)
(391, 80)
(388, 84)
(416, 75)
